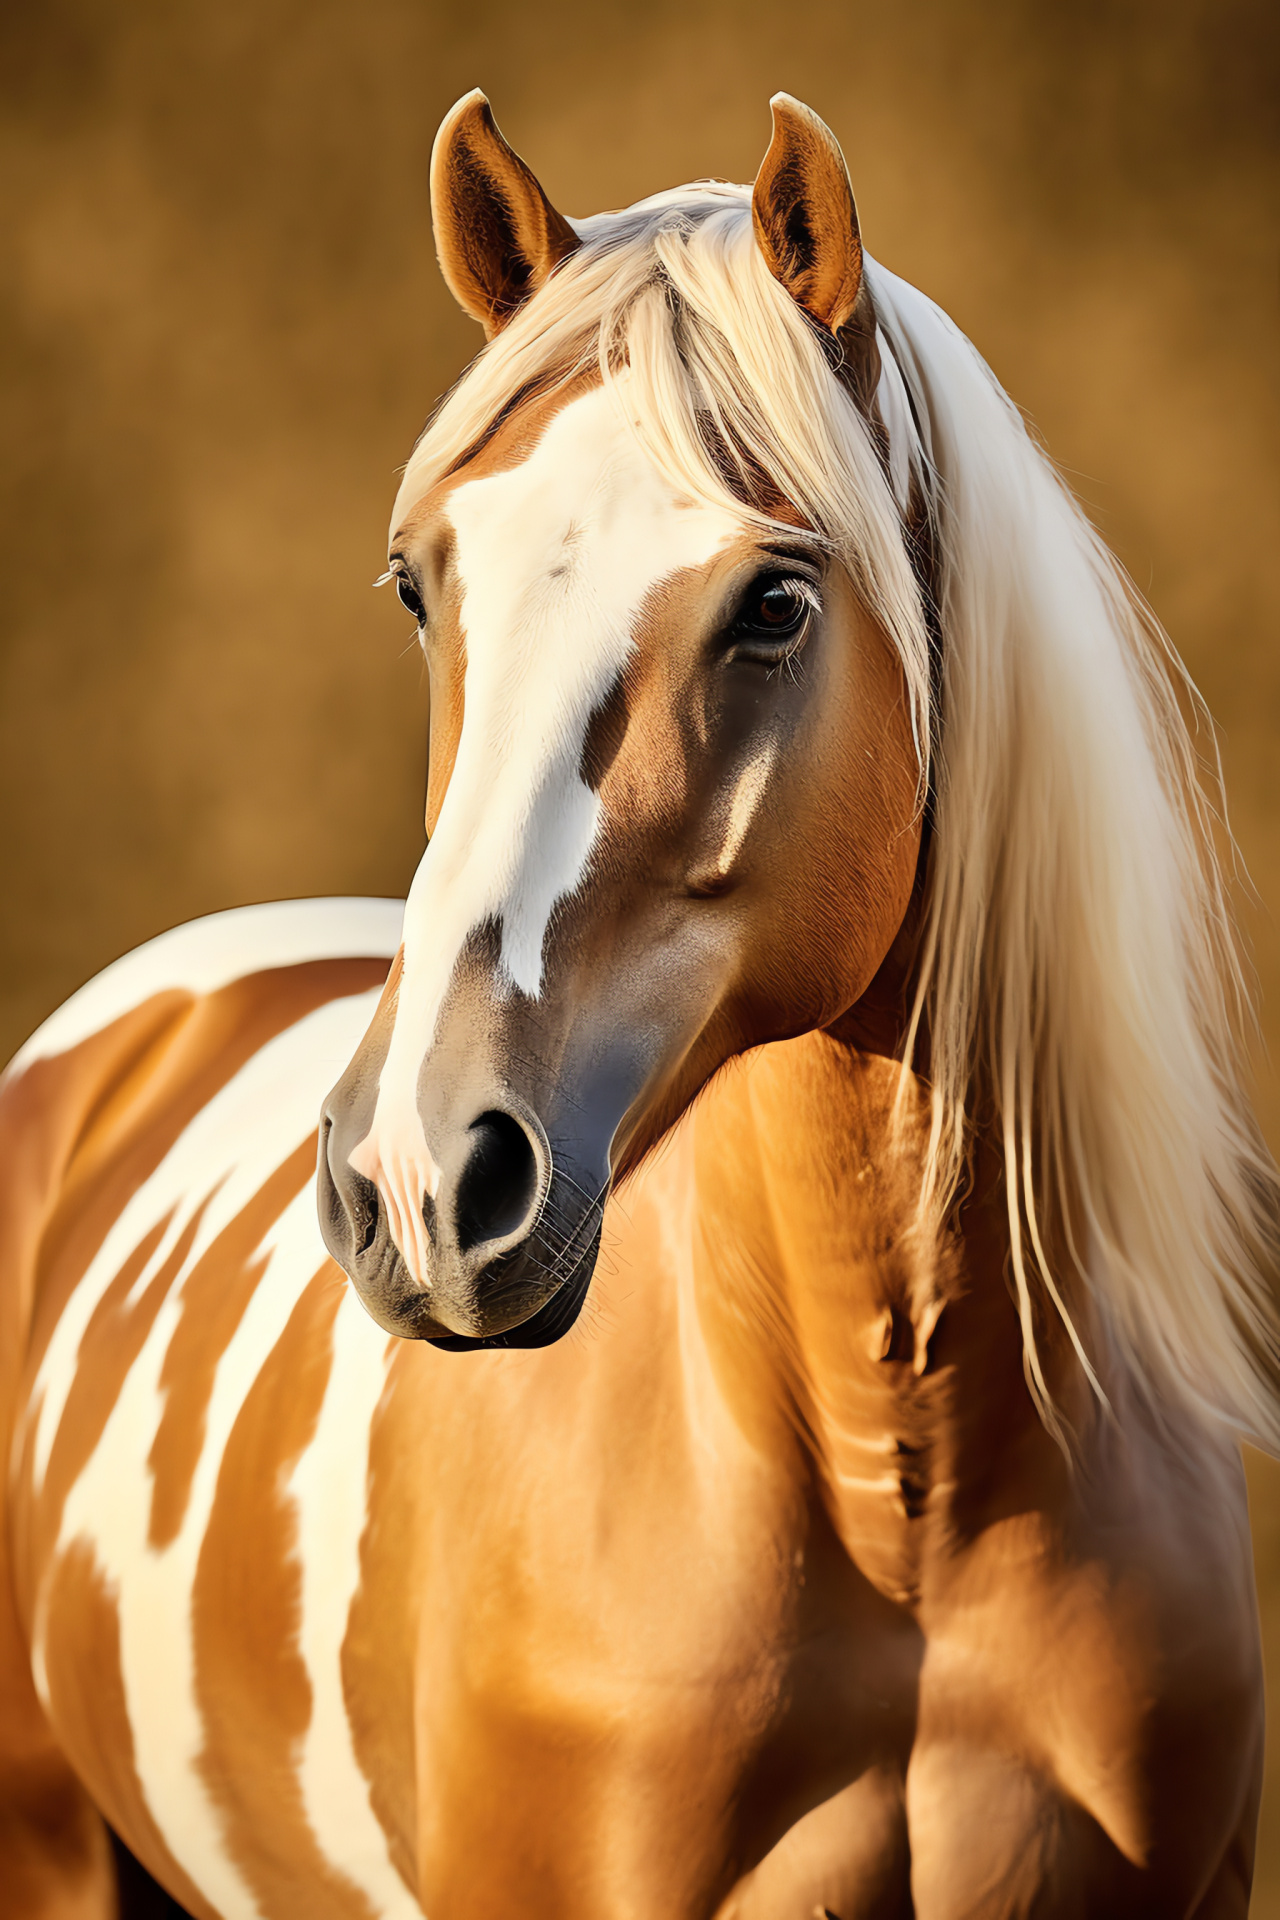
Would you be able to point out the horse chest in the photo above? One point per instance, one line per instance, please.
(625, 1702)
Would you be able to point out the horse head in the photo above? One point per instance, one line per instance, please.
(674, 801)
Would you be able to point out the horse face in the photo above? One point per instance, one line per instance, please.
(671, 814)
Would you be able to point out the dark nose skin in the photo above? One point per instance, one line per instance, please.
(511, 1243)
(519, 1103)
(492, 1202)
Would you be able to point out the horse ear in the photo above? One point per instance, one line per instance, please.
(805, 220)
(497, 234)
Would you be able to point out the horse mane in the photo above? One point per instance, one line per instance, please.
(1080, 982)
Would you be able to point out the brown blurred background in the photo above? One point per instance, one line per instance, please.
(223, 325)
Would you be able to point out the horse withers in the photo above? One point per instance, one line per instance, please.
(733, 1413)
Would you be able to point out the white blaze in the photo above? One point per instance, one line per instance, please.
(555, 557)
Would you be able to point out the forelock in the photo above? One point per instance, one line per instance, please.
(730, 388)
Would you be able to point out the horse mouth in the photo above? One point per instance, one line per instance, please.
(547, 1323)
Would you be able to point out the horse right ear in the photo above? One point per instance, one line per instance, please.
(805, 221)
(806, 227)
(497, 234)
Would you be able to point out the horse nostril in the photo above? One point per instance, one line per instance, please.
(364, 1213)
(499, 1182)
(350, 1210)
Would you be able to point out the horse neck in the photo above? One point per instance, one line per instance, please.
(887, 1355)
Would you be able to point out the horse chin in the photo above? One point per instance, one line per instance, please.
(546, 1324)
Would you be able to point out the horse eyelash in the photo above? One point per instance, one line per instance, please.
(786, 663)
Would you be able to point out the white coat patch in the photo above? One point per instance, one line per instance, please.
(203, 955)
(225, 1156)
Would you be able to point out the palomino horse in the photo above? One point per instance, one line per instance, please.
(817, 864)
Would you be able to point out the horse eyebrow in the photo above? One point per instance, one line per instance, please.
(802, 546)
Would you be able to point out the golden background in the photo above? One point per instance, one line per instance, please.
(223, 325)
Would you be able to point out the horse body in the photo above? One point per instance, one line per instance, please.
(764, 1590)
(819, 954)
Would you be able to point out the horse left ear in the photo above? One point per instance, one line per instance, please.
(804, 215)
(497, 234)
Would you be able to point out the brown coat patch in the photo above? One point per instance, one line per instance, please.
(87, 1703)
(251, 1681)
(214, 1297)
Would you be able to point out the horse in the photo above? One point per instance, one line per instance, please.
(695, 1368)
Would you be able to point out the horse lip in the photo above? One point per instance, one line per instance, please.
(401, 1307)
(547, 1324)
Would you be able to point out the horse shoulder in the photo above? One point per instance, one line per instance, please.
(1090, 1698)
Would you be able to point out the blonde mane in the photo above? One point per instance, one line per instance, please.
(1079, 978)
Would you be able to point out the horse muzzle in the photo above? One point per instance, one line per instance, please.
(511, 1231)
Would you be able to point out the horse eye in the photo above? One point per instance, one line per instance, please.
(780, 606)
(409, 598)
(775, 609)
